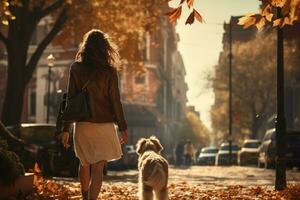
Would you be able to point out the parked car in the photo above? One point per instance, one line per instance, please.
(128, 159)
(207, 156)
(248, 155)
(267, 150)
(132, 156)
(39, 145)
(222, 157)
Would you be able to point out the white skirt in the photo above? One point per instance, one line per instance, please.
(94, 142)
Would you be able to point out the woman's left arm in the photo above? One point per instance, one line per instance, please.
(116, 102)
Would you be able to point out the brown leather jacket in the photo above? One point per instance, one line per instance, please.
(103, 91)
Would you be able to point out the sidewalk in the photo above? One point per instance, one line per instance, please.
(207, 183)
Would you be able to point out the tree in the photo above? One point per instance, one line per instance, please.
(67, 18)
(5, 13)
(194, 129)
(254, 85)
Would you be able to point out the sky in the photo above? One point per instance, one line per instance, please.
(200, 45)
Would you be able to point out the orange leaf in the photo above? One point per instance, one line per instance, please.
(287, 21)
(191, 18)
(260, 23)
(190, 3)
(247, 21)
(36, 169)
(198, 16)
(174, 14)
(267, 12)
(277, 22)
(286, 7)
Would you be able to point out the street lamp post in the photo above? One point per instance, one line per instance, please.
(50, 60)
(280, 124)
(230, 94)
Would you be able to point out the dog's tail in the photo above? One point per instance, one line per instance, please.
(158, 177)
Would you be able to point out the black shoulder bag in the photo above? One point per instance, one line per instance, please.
(77, 107)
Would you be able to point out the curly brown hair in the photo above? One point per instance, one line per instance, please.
(97, 50)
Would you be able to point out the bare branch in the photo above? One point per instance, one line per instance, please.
(54, 6)
(45, 42)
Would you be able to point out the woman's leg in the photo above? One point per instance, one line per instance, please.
(96, 179)
(85, 176)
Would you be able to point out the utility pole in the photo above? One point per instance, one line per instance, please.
(230, 94)
(280, 124)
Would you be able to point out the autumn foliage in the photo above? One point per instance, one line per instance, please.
(194, 129)
(49, 189)
(5, 13)
(254, 85)
(290, 13)
(175, 13)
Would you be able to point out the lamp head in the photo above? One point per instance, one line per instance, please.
(51, 60)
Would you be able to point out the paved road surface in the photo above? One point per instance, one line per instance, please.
(195, 183)
(234, 175)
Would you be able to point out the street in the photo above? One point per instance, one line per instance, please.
(196, 182)
(212, 176)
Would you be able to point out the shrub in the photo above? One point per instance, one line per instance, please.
(10, 166)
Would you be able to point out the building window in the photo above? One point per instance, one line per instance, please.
(32, 103)
(147, 46)
(140, 79)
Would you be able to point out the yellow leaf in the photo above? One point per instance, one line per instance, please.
(277, 22)
(247, 21)
(260, 23)
(7, 12)
(277, 3)
(5, 22)
(269, 17)
(287, 21)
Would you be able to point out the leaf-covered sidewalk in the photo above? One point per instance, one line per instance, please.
(50, 189)
(205, 183)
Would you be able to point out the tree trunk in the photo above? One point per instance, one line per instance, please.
(19, 34)
(13, 101)
(280, 124)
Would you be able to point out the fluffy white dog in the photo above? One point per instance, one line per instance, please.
(153, 169)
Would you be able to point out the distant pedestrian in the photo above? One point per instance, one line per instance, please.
(189, 153)
(179, 153)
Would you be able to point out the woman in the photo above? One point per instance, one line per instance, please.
(95, 139)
